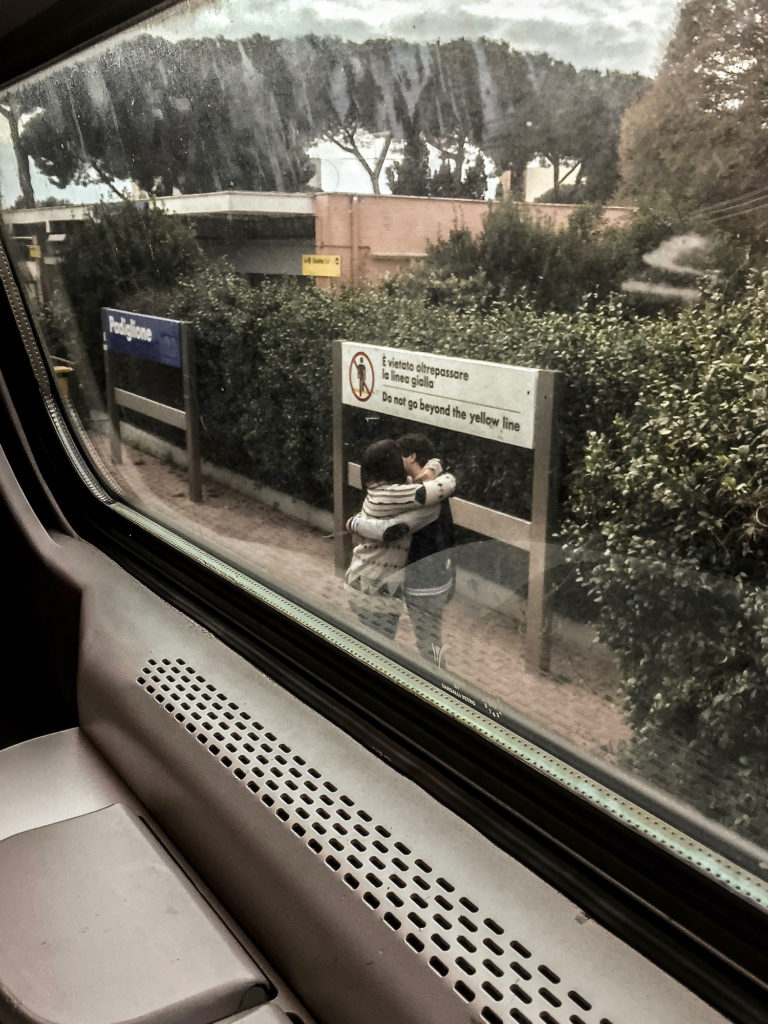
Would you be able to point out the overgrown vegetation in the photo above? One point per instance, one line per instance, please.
(669, 527)
(264, 353)
(119, 252)
(519, 258)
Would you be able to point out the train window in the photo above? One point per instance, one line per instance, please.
(451, 351)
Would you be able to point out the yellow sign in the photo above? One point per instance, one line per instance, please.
(35, 252)
(321, 266)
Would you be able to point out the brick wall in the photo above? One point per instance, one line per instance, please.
(376, 236)
(379, 235)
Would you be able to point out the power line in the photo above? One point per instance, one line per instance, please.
(736, 212)
(728, 203)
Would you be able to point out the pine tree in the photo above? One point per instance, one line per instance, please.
(475, 183)
(410, 177)
(443, 183)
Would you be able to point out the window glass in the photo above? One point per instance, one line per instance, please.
(449, 326)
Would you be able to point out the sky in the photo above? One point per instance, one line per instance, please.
(624, 35)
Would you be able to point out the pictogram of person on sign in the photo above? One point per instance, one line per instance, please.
(361, 376)
(362, 373)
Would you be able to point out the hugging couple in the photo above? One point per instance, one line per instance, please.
(403, 542)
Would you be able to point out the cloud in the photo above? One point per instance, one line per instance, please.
(591, 43)
(617, 34)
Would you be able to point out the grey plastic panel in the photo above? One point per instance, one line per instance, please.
(99, 926)
(269, 1014)
(375, 902)
(54, 777)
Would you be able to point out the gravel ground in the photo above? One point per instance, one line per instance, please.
(579, 698)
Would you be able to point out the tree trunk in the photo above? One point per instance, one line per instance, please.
(349, 145)
(517, 179)
(12, 114)
(375, 174)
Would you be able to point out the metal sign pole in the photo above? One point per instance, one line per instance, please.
(342, 542)
(189, 377)
(112, 409)
(546, 463)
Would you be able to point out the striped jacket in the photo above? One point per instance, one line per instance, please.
(377, 566)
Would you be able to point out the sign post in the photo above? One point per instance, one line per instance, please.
(157, 340)
(541, 560)
(511, 404)
(192, 415)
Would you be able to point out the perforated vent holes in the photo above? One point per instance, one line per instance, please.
(487, 965)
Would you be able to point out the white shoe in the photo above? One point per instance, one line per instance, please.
(438, 655)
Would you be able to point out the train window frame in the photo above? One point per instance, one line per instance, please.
(692, 926)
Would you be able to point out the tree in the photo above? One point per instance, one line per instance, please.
(12, 109)
(410, 177)
(451, 110)
(348, 138)
(599, 104)
(343, 101)
(211, 114)
(120, 116)
(475, 183)
(570, 117)
(443, 183)
(119, 252)
(700, 134)
(554, 127)
(507, 135)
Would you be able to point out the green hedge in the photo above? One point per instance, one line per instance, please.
(669, 531)
(265, 374)
(517, 258)
(264, 352)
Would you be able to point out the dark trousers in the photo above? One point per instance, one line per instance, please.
(426, 614)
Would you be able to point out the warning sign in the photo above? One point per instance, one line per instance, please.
(485, 399)
(321, 266)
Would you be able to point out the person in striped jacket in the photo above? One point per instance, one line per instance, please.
(393, 507)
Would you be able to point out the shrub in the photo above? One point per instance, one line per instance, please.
(670, 535)
(264, 372)
(120, 251)
(264, 365)
(519, 259)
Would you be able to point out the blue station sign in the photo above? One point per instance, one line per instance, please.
(146, 337)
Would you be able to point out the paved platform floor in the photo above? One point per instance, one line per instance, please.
(579, 698)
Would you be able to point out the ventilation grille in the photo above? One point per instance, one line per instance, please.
(489, 967)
